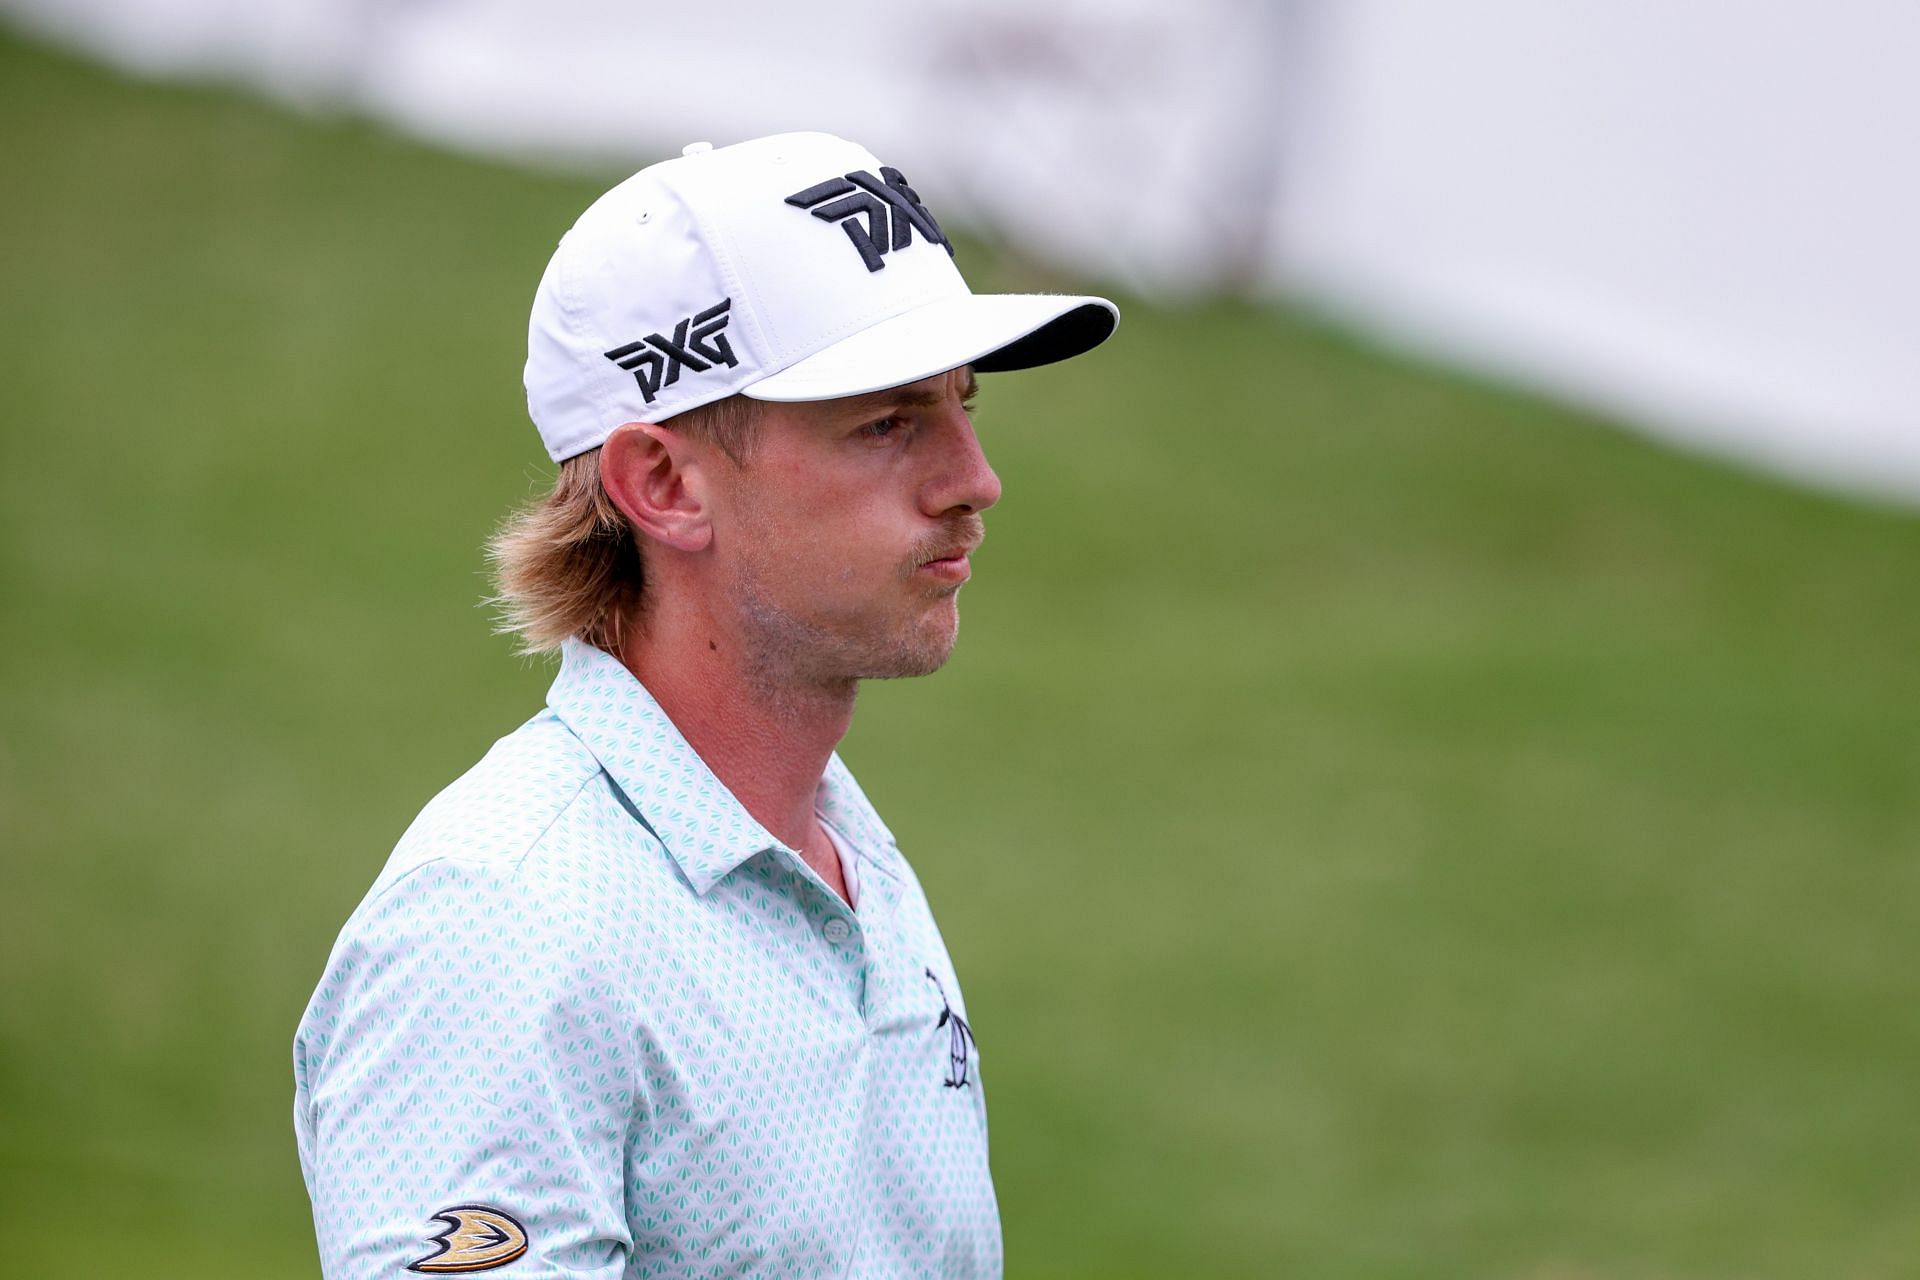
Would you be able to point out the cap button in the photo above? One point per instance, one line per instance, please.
(696, 148)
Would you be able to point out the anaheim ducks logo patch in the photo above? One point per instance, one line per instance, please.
(478, 1237)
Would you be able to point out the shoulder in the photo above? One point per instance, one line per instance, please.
(526, 867)
(495, 902)
(497, 812)
(534, 840)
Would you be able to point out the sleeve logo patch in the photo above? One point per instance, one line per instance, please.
(478, 1237)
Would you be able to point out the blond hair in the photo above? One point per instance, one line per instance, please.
(568, 563)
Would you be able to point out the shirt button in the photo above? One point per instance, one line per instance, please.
(837, 930)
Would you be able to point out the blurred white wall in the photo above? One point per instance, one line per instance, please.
(1696, 216)
(1703, 216)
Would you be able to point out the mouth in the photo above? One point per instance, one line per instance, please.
(951, 565)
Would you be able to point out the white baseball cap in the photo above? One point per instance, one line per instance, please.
(795, 267)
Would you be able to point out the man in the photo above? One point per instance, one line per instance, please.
(651, 991)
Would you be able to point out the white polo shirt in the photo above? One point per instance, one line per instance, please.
(594, 1021)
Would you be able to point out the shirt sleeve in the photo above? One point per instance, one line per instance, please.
(465, 1089)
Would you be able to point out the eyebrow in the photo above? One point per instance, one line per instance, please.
(900, 399)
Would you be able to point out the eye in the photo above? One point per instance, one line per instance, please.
(883, 429)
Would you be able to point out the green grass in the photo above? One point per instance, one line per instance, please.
(1389, 826)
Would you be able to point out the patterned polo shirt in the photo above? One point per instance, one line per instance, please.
(592, 1020)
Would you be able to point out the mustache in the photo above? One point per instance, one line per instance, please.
(959, 536)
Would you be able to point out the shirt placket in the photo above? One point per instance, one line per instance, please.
(835, 926)
(859, 943)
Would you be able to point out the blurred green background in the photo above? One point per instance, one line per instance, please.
(1388, 826)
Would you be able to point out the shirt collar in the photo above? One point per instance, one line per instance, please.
(841, 802)
(704, 828)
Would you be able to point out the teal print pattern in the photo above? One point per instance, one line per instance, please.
(590, 991)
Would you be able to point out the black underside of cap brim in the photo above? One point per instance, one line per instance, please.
(1079, 330)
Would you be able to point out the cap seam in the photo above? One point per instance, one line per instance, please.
(726, 259)
(600, 395)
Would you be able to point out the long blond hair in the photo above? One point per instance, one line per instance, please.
(568, 563)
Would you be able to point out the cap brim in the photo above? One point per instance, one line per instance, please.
(993, 332)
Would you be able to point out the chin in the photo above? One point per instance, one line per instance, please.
(909, 665)
(917, 660)
(919, 654)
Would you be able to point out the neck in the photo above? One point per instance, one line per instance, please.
(766, 736)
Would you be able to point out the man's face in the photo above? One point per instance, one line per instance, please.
(842, 540)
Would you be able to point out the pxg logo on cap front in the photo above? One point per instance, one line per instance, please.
(698, 343)
(891, 209)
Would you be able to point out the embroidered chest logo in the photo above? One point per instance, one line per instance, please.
(478, 1237)
(698, 343)
(959, 1039)
(878, 214)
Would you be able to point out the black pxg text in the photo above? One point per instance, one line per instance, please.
(891, 209)
(698, 343)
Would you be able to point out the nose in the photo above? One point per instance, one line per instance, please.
(962, 481)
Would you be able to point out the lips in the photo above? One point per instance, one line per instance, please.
(957, 553)
(943, 552)
(950, 563)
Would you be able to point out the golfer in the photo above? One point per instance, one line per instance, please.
(651, 990)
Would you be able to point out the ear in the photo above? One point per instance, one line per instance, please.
(656, 477)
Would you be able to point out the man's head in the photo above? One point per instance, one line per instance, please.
(825, 539)
(752, 364)
(833, 549)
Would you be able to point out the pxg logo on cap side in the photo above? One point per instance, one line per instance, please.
(892, 210)
(697, 344)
